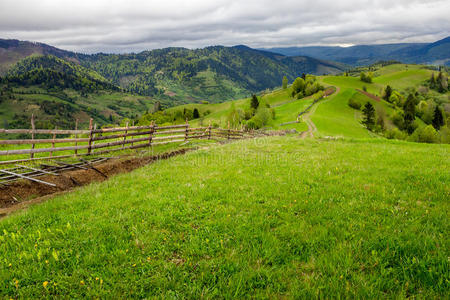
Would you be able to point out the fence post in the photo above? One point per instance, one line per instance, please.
(76, 136)
(228, 133)
(93, 137)
(53, 142)
(209, 131)
(32, 134)
(187, 130)
(90, 136)
(152, 130)
(125, 137)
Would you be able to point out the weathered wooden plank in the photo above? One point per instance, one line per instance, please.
(42, 141)
(41, 150)
(43, 131)
(38, 170)
(116, 129)
(28, 178)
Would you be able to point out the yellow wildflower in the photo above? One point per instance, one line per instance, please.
(44, 284)
(82, 282)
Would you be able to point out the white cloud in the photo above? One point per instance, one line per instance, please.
(119, 26)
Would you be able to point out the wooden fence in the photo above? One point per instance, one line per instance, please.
(88, 142)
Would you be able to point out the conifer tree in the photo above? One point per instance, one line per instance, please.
(410, 113)
(369, 115)
(254, 103)
(438, 118)
(196, 114)
(387, 93)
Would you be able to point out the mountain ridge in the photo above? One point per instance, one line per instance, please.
(437, 52)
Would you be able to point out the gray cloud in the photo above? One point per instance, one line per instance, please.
(135, 25)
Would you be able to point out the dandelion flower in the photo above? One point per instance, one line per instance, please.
(45, 283)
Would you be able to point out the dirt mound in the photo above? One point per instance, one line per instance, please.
(24, 190)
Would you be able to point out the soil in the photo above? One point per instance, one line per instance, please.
(372, 96)
(21, 193)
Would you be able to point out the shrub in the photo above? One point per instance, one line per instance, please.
(249, 113)
(354, 104)
(397, 119)
(318, 95)
(425, 134)
(395, 133)
(444, 134)
(366, 77)
(300, 95)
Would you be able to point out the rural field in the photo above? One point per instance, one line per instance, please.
(270, 217)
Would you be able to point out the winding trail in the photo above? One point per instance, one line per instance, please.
(307, 117)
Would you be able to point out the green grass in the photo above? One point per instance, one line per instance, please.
(289, 112)
(334, 117)
(405, 78)
(269, 218)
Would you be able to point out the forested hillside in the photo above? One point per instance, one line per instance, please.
(213, 73)
(54, 73)
(178, 74)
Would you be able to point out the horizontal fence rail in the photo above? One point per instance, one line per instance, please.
(88, 142)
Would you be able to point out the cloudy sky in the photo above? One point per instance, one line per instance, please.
(134, 25)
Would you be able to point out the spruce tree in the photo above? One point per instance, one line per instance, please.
(369, 115)
(410, 113)
(438, 119)
(196, 114)
(254, 103)
(387, 93)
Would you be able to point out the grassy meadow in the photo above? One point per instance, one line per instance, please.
(277, 217)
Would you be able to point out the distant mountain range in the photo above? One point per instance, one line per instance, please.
(214, 73)
(437, 53)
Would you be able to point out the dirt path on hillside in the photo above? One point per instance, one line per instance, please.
(307, 117)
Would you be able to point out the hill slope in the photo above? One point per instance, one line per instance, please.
(423, 53)
(12, 51)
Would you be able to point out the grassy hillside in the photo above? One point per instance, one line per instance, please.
(333, 116)
(61, 107)
(282, 217)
